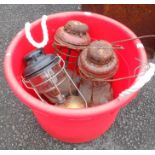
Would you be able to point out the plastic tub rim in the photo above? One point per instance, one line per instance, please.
(36, 104)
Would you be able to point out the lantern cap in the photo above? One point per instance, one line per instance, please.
(36, 61)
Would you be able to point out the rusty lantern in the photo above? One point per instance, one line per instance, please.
(70, 39)
(97, 63)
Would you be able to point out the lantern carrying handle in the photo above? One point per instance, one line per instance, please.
(45, 33)
(140, 81)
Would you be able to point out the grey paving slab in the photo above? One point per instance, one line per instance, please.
(134, 127)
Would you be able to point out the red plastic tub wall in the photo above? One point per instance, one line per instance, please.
(82, 125)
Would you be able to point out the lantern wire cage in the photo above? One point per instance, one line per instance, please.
(51, 78)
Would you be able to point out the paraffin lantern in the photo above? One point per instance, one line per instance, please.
(46, 75)
(97, 63)
(72, 37)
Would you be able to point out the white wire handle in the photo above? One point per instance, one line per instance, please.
(140, 81)
(45, 33)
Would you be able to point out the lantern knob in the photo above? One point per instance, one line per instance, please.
(33, 56)
(100, 52)
(76, 27)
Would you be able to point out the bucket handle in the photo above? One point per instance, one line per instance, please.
(45, 33)
(140, 82)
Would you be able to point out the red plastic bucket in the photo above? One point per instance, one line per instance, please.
(82, 125)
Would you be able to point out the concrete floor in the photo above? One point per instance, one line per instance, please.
(133, 129)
